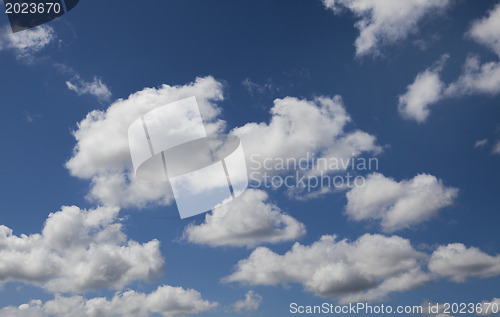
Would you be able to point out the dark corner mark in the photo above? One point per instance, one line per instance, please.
(26, 14)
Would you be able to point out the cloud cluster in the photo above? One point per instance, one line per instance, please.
(384, 22)
(350, 271)
(27, 43)
(399, 205)
(476, 77)
(249, 220)
(296, 127)
(95, 88)
(102, 150)
(367, 269)
(167, 301)
(78, 250)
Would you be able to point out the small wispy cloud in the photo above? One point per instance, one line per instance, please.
(254, 88)
(30, 117)
(95, 87)
(26, 44)
(481, 143)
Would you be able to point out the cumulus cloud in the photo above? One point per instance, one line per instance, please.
(167, 301)
(458, 262)
(487, 30)
(250, 303)
(383, 22)
(27, 43)
(423, 92)
(399, 205)
(367, 269)
(95, 88)
(247, 221)
(300, 127)
(476, 78)
(78, 250)
(296, 127)
(102, 151)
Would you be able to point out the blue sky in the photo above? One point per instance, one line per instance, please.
(413, 84)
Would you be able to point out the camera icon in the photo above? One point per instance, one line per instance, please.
(170, 144)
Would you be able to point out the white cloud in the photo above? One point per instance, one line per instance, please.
(247, 221)
(27, 43)
(250, 303)
(457, 262)
(423, 92)
(298, 128)
(167, 301)
(385, 22)
(78, 250)
(102, 151)
(487, 30)
(254, 88)
(481, 143)
(349, 271)
(95, 88)
(428, 89)
(399, 205)
(496, 148)
(476, 78)
(368, 269)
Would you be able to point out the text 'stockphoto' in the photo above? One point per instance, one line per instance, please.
(250, 158)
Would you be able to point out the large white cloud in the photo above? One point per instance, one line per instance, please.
(399, 205)
(298, 126)
(300, 129)
(167, 301)
(458, 262)
(27, 43)
(384, 22)
(247, 221)
(367, 269)
(77, 251)
(102, 151)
